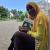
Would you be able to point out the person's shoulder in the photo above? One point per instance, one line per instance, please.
(41, 15)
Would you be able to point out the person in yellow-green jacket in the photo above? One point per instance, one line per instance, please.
(39, 29)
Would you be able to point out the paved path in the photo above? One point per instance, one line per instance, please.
(7, 28)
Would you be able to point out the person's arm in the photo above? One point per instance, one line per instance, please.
(40, 30)
(39, 33)
(11, 46)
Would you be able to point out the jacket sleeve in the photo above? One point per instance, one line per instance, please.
(40, 30)
(11, 46)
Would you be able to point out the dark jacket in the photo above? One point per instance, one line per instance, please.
(22, 41)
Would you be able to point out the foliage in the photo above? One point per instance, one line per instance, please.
(5, 13)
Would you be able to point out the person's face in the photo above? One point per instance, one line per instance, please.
(31, 12)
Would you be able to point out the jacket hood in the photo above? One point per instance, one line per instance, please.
(34, 5)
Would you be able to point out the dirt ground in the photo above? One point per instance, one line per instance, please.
(7, 29)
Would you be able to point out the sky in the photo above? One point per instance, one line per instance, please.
(16, 4)
(48, 1)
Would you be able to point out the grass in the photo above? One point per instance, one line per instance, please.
(6, 19)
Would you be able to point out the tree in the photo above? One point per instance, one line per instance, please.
(23, 15)
(3, 12)
(14, 11)
(18, 14)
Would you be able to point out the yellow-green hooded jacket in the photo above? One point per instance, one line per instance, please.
(39, 29)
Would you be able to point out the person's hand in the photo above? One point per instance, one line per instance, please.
(20, 28)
